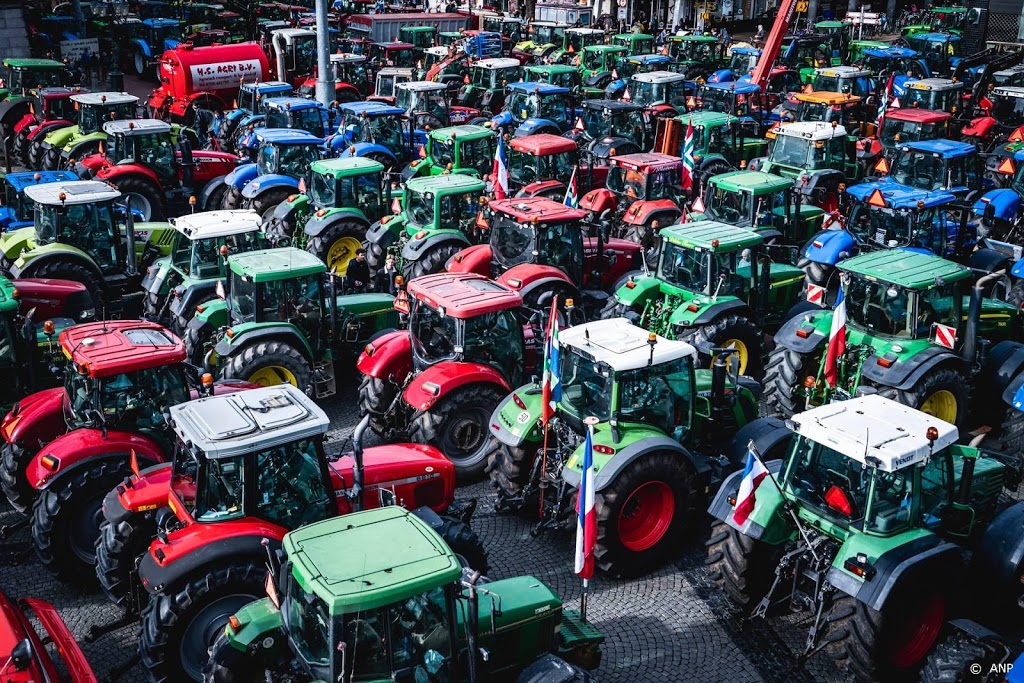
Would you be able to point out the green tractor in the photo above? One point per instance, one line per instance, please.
(79, 235)
(721, 142)
(24, 78)
(438, 219)
(284, 319)
(76, 142)
(465, 149)
(908, 337)
(378, 596)
(874, 522)
(596, 65)
(345, 197)
(661, 427)
(716, 285)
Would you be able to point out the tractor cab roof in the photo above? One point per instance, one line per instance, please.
(291, 102)
(891, 52)
(286, 136)
(948, 149)
(887, 194)
(464, 132)
(549, 68)
(220, 223)
(422, 86)
(1009, 91)
(711, 236)
(290, 34)
(440, 51)
(542, 144)
(611, 105)
(659, 77)
(20, 181)
(647, 162)
(605, 48)
(395, 71)
(542, 89)
(395, 45)
(58, 92)
(812, 130)
(918, 115)
(114, 347)
(825, 97)
(707, 118)
(133, 127)
(904, 268)
(648, 60)
(284, 263)
(936, 37)
(369, 559)
(452, 183)
(266, 87)
(344, 167)
(875, 431)
(494, 63)
(247, 421)
(32, 63)
(585, 31)
(71, 192)
(347, 58)
(537, 209)
(737, 87)
(463, 295)
(692, 38)
(934, 84)
(104, 98)
(757, 182)
(745, 50)
(370, 109)
(161, 22)
(622, 345)
(842, 72)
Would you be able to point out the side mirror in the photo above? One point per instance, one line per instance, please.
(21, 655)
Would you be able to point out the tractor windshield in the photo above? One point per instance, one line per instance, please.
(524, 106)
(885, 227)
(898, 312)
(586, 386)
(696, 270)
(721, 100)
(525, 168)
(594, 60)
(18, 202)
(792, 151)
(730, 206)
(419, 209)
(895, 130)
(698, 51)
(307, 118)
(289, 160)
(90, 227)
(434, 336)
(922, 170)
(555, 244)
(741, 64)
(91, 117)
(24, 79)
(1007, 109)
(202, 259)
(386, 84)
(138, 398)
(58, 108)
(649, 94)
(543, 35)
(663, 184)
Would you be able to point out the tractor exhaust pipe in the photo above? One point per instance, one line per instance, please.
(963, 496)
(970, 349)
(471, 624)
(719, 370)
(280, 55)
(358, 492)
(129, 222)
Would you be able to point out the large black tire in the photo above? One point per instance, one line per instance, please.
(458, 425)
(151, 307)
(180, 625)
(264, 362)
(375, 398)
(952, 658)
(739, 565)
(66, 519)
(647, 237)
(279, 233)
(815, 273)
(465, 543)
(59, 269)
(613, 309)
(194, 341)
(375, 256)
(266, 202)
(51, 159)
(145, 198)
(1011, 437)
(19, 148)
(34, 156)
(343, 236)
(117, 549)
(13, 480)
(232, 199)
(737, 329)
(709, 170)
(216, 198)
(935, 393)
(655, 523)
(431, 261)
(227, 664)
(79, 152)
(509, 468)
(783, 378)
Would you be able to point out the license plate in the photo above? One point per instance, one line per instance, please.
(880, 236)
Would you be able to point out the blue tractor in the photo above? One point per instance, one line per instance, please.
(152, 38)
(941, 51)
(937, 165)
(741, 99)
(282, 164)
(248, 111)
(1000, 210)
(905, 63)
(16, 208)
(295, 113)
(532, 108)
(374, 130)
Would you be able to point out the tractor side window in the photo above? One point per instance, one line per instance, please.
(6, 343)
(553, 108)
(308, 624)
(387, 131)
(221, 490)
(156, 151)
(243, 298)
(365, 646)
(493, 339)
(296, 300)
(666, 184)
(941, 304)
(934, 490)
(322, 190)
(419, 625)
(458, 210)
(266, 159)
(477, 154)
(91, 228)
(657, 395)
(443, 152)
(184, 477)
(289, 485)
(891, 502)
(311, 120)
(295, 159)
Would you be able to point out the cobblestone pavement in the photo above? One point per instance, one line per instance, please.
(670, 626)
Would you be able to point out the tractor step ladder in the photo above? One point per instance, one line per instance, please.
(324, 384)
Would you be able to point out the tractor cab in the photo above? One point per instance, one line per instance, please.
(597, 61)
(848, 80)
(806, 53)
(887, 215)
(612, 118)
(485, 83)
(742, 62)
(645, 177)
(425, 102)
(348, 70)
(251, 454)
(286, 152)
(398, 54)
(371, 125)
(663, 93)
(297, 48)
(933, 94)
(16, 208)
(533, 108)
(1008, 106)
(937, 165)
(817, 156)
(541, 158)
(575, 40)
(144, 141)
(635, 43)
(762, 202)
(741, 99)
(543, 38)
(844, 109)
(349, 182)
(434, 56)
(940, 51)
(24, 74)
(536, 230)
(235, 24)
(892, 60)
(297, 113)
(559, 75)
(901, 126)
(420, 37)
(251, 96)
(458, 149)
(158, 35)
(95, 109)
(725, 140)
(54, 103)
(510, 29)
(1008, 78)
(199, 237)
(386, 83)
(699, 55)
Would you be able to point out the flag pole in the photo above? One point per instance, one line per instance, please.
(785, 501)
(590, 421)
(545, 410)
(543, 483)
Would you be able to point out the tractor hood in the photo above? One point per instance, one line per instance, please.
(16, 241)
(36, 419)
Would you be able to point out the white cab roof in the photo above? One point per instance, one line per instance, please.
(1009, 91)
(104, 98)
(220, 223)
(247, 421)
(422, 86)
(934, 84)
(894, 435)
(440, 51)
(812, 130)
(395, 71)
(583, 30)
(622, 345)
(497, 63)
(659, 77)
(136, 127)
(292, 33)
(348, 58)
(74, 192)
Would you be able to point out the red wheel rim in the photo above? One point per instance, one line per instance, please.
(914, 637)
(646, 516)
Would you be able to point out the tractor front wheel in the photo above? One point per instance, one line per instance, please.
(13, 479)
(739, 564)
(337, 245)
(66, 519)
(19, 148)
(458, 425)
(232, 199)
(179, 627)
(145, 198)
(265, 204)
(376, 396)
(955, 659)
(431, 261)
(644, 514)
(783, 378)
(195, 341)
(34, 156)
(510, 467)
(268, 364)
(465, 543)
(117, 548)
(279, 232)
(942, 393)
(647, 237)
(51, 159)
(733, 332)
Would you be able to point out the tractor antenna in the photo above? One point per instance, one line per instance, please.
(586, 334)
(271, 563)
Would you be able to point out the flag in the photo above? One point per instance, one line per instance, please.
(572, 192)
(884, 100)
(586, 517)
(832, 218)
(551, 389)
(753, 474)
(500, 172)
(836, 339)
(688, 162)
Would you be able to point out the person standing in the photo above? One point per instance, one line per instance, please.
(357, 277)
(202, 119)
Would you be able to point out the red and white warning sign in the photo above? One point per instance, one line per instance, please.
(816, 294)
(945, 335)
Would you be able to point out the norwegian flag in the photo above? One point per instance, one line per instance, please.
(586, 516)
(836, 339)
(688, 163)
(572, 192)
(884, 104)
(500, 172)
(754, 473)
(551, 391)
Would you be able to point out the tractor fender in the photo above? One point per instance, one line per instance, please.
(722, 510)
(208, 189)
(1005, 377)
(389, 357)
(526, 426)
(26, 121)
(143, 46)
(197, 546)
(317, 224)
(721, 76)
(82, 447)
(53, 298)
(11, 106)
(1005, 204)
(259, 185)
(996, 563)
(449, 376)
(770, 437)
(187, 298)
(113, 174)
(156, 273)
(530, 276)
(361, 149)
(598, 201)
(46, 127)
(643, 212)
(384, 234)
(718, 309)
(52, 252)
(415, 248)
(240, 176)
(533, 126)
(635, 451)
(663, 111)
(787, 337)
(822, 180)
(60, 137)
(644, 287)
(979, 127)
(829, 247)
(140, 494)
(474, 259)
(289, 211)
(903, 375)
(501, 119)
(985, 260)
(35, 419)
(230, 346)
(541, 187)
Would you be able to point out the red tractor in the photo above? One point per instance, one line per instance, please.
(51, 109)
(24, 648)
(248, 468)
(538, 244)
(65, 447)
(160, 175)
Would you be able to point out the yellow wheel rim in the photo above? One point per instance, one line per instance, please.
(272, 375)
(741, 356)
(941, 404)
(341, 252)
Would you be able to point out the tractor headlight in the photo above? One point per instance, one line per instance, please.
(87, 314)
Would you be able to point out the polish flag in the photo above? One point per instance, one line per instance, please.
(753, 474)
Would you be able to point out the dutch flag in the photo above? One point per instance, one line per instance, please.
(500, 172)
(753, 474)
(572, 192)
(836, 339)
(586, 517)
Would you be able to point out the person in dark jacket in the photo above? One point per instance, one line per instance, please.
(358, 274)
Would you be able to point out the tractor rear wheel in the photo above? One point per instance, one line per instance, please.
(13, 479)
(117, 548)
(613, 309)
(783, 378)
(465, 543)
(265, 204)
(337, 244)
(510, 468)
(270, 363)
(647, 237)
(66, 519)
(458, 426)
(151, 306)
(431, 261)
(51, 159)
(70, 270)
(815, 273)
(739, 564)
(942, 393)
(232, 199)
(735, 332)
(34, 156)
(19, 148)
(1011, 438)
(195, 340)
(955, 656)
(644, 514)
(279, 232)
(145, 198)
(376, 397)
(179, 627)
(215, 200)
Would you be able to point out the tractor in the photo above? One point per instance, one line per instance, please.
(297, 113)
(85, 138)
(351, 79)
(806, 53)
(248, 109)
(698, 56)
(542, 165)
(942, 52)
(937, 165)
(374, 130)
(282, 163)
(602, 119)
(437, 220)
(574, 41)
(426, 103)
(50, 109)
(868, 508)
(721, 142)
(176, 284)
(886, 60)
(845, 109)
(485, 83)
(285, 318)
(715, 285)
(561, 75)
(661, 430)
(21, 76)
(78, 235)
(152, 164)
(934, 94)
(345, 197)
(903, 126)
(16, 209)
(395, 53)
(907, 337)
(386, 84)
(25, 643)
(152, 38)
(465, 149)
(661, 93)
(597, 64)
(741, 99)
(509, 28)
(431, 621)
(852, 80)
(247, 469)
(532, 108)
(634, 64)
(420, 37)
(635, 43)
(543, 38)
